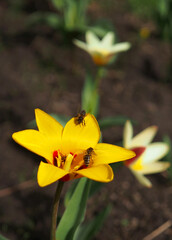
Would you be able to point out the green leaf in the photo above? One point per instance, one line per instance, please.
(70, 192)
(88, 230)
(3, 238)
(53, 20)
(90, 96)
(48, 18)
(113, 121)
(75, 211)
(58, 4)
(75, 15)
(60, 118)
(94, 188)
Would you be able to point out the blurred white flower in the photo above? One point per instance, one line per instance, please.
(103, 50)
(148, 154)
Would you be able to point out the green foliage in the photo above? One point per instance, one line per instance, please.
(70, 17)
(94, 188)
(70, 192)
(3, 238)
(90, 96)
(53, 20)
(145, 8)
(73, 13)
(75, 211)
(88, 230)
(59, 4)
(159, 11)
(112, 121)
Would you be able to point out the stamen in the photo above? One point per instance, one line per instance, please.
(58, 162)
(55, 154)
(55, 158)
(55, 161)
(68, 162)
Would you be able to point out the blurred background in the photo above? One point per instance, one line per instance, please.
(41, 68)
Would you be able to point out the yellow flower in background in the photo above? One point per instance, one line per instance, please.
(103, 50)
(148, 154)
(70, 152)
(145, 32)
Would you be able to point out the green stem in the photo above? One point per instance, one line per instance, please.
(99, 75)
(55, 210)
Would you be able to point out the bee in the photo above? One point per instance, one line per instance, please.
(88, 156)
(79, 118)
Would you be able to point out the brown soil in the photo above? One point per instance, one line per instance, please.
(39, 71)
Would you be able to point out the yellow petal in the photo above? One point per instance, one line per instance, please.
(107, 153)
(48, 125)
(137, 165)
(36, 142)
(144, 137)
(142, 179)
(101, 173)
(80, 136)
(48, 174)
(155, 167)
(128, 134)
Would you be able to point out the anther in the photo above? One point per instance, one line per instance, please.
(55, 154)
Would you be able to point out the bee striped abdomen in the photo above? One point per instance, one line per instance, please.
(87, 158)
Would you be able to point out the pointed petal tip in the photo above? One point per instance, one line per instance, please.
(131, 153)
(166, 165)
(15, 136)
(149, 185)
(48, 174)
(37, 110)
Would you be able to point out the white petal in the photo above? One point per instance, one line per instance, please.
(108, 39)
(81, 44)
(154, 152)
(144, 137)
(127, 134)
(142, 179)
(120, 47)
(155, 167)
(91, 38)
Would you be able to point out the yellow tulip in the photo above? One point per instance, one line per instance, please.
(64, 149)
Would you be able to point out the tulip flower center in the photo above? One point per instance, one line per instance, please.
(72, 162)
(101, 58)
(138, 151)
